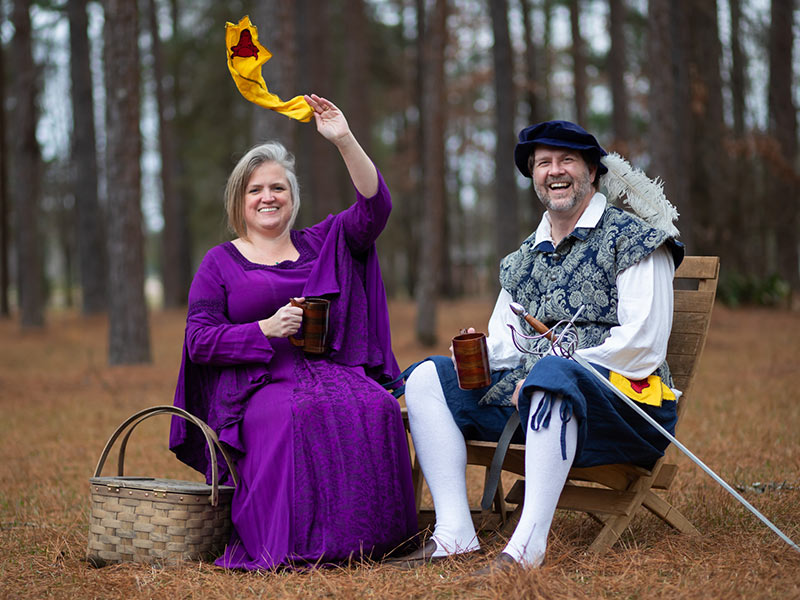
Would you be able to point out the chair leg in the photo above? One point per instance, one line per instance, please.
(669, 514)
(418, 480)
(608, 536)
(615, 525)
(499, 503)
(511, 523)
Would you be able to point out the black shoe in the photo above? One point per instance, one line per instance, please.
(423, 556)
(502, 563)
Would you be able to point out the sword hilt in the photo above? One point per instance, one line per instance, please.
(537, 325)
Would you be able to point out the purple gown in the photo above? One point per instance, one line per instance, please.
(321, 452)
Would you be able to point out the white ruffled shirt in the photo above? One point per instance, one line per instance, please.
(638, 345)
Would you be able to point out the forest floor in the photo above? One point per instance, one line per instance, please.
(59, 402)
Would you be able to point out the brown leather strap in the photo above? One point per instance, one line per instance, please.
(496, 468)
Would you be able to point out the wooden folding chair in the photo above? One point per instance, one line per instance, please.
(613, 493)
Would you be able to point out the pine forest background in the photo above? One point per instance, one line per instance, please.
(120, 124)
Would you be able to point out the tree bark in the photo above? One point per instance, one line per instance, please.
(89, 222)
(318, 160)
(738, 68)
(185, 270)
(578, 62)
(357, 51)
(173, 245)
(709, 179)
(279, 71)
(617, 67)
(668, 137)
(745, 254)
(533, 85)
(433, 117)
(530, 209)
(129, 337)
(5, 243)
(28, 172)
(548, 58)
(783, 130)
(506, 209)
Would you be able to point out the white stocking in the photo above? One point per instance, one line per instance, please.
(545, 475)
(442, 455)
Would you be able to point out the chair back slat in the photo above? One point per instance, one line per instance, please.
(698, 267)
(691, 319)
(693, 301)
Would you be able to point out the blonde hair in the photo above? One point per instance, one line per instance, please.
(236, 187)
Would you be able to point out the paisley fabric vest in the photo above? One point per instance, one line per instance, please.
(553, 283)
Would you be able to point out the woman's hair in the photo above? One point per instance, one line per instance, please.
(237, 182)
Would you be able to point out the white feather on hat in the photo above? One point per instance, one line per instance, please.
(644, 196)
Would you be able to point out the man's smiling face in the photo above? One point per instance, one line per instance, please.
(561, 178)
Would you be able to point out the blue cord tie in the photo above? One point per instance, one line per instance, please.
(541, 418)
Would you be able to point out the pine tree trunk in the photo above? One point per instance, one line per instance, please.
(530, 209)
(433, 226)
(175, 283)
(709, 177)
(747, 253)
(506, 209)
(279, 72)
(578, 63)
(548, 57)
(533, 86)
(5, 308)
(738, 68)
(357, 79)
(27, 172)
(185, 270)
(129, 337)
(783, 129)
(617, 67)
(318, 161)
(668, 101)
(89, 222)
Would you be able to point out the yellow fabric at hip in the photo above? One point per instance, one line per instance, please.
(650, 391)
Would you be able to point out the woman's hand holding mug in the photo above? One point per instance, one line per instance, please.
(285, 322)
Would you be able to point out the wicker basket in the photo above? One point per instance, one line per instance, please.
(150, 520)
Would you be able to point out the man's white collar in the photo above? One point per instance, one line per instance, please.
(589, 218)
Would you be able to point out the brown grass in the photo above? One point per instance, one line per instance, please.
(60, 402)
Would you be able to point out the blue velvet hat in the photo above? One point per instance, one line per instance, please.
(562, 134)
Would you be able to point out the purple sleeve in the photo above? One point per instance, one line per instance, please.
(363, 221)
(211, 339)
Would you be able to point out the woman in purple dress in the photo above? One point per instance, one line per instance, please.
(319, 445)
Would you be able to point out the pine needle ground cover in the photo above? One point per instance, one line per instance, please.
(60, 401)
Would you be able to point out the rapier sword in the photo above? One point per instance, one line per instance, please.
(547, 332)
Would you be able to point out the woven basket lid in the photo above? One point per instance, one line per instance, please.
(163, 485)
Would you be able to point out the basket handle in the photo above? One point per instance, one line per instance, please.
(208, 433)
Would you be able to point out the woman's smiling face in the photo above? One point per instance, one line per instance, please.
(268, 201)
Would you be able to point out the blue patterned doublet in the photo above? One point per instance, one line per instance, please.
(553, 283)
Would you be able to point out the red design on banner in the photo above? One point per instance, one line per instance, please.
(245, 48)
(638, 386)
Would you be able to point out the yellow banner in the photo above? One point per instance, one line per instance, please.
(647, 391)
(245, 58)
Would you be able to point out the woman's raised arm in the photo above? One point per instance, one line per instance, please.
(333, 126)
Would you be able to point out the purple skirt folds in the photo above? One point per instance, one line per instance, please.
(326, 476)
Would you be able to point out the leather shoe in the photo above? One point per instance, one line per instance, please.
(423, 556)
(502, 563)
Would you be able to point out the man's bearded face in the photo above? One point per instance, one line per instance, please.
(561, 178)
